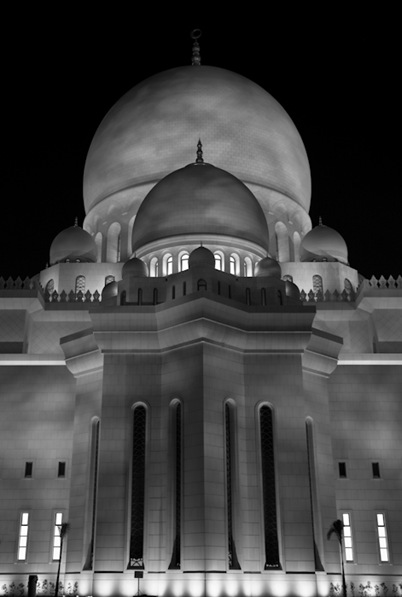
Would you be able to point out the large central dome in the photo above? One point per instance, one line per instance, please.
(150, 132)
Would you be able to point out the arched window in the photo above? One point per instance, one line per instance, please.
(50, 287)
(154, 267)
(92, 493)
(80, 284)
(348, 286)
(315, 521)
(113, 243)
(230, 477)
(167, 264)
(219, 261)
(138, 489)
(282, 239)
(317, 285)
(234, 264)
(183, 261)
(268, 489)
(201, 284)
(109, 279)
(176, 460)
(247, 267)
(98, 242)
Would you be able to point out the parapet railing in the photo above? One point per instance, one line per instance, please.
(96, 297)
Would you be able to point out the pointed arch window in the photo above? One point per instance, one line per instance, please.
(80, 284)
(272, 561)
(50, 287)
(318, 287)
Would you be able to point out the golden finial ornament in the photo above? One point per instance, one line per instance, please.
(200, 159)
(196, 57)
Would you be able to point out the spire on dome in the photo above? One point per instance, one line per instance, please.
(196, 57)
(320, 221)
(75, 221)
(200, 159)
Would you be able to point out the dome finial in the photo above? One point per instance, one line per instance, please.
(200, 159)
(75, 221)
(196, 57)
(319, 220)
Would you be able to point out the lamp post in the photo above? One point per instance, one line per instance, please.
(337, 528)
(63, 528)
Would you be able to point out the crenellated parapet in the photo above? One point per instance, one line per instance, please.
(18, 283)
(382, 282)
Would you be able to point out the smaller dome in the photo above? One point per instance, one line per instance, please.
(201, 256)
(323, 243)
(291, 290)
(73, 244)
(268, 268)
(135, 267)
(109, 291)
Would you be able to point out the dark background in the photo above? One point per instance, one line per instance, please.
(336, 73)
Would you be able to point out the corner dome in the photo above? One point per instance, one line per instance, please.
(323, 243)
(269, 268)
(201, 256)
(150, 132)
(198, 200)
(134, 267)
(73, 244)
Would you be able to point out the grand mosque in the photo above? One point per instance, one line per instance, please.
(200, 384)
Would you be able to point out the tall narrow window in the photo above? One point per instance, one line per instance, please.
(218, 261)
(376, 470)
(28, 470)
(61, 469)
(138, 489)
(183, 263)
(154, 267)
(342, 470)
(93, 489)
(229, 428)
(234, 263)
(167, 265)
(268, 488)
(382, 538)
(176, 424)
(58, 520)
(23, 537)
(314, 508)
(347, 537)
(247, 267)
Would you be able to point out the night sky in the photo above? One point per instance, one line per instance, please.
(336, 74)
